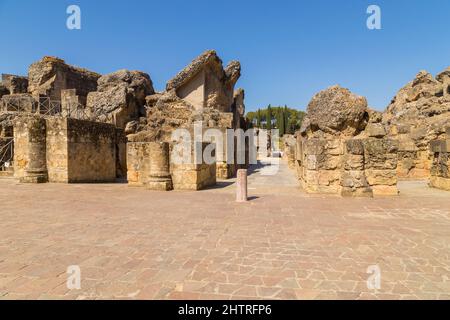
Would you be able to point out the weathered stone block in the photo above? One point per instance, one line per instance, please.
(15, 84)
(50, 75)
(380, 153)
(80, 151)
(311, 162)
(356, 192)
(354, 179)
(384, 190)
(314, 146)
(440, 146)
(375, 130)
(440, 183)
(353, 162)
(354, 146)
(381, 177)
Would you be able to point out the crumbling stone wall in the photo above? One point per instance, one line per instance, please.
(341, 147)
(50, 75)
(192, 176)
(64, 150)
(440, 168)
(15, 84)
(238, 109)
(288, 143)
(380, 165)
(121, 97)
(204, 83)
(146, 158)
(87, 149)
(201, 92)
(417, 115)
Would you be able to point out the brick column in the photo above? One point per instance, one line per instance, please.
(241, 186)
(36, 151)
(159, 178)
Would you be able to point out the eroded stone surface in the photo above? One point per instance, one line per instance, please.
(120, 97)
(417, 115)
(50, 75)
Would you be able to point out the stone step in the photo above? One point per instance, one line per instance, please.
(6, 174)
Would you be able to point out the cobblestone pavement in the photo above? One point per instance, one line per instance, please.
(131, 243)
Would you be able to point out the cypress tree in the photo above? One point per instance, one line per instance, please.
(287, 129)
(269, 118)
(258, 119)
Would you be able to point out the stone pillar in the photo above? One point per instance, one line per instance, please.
(36, 168)
(241, 186)
(159, 178)
(69, 101)
(353, 179)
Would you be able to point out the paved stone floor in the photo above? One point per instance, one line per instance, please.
(131, 243)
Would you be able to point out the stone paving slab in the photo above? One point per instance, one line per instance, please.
(131, 243)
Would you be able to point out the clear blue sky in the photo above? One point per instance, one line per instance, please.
(289, 50)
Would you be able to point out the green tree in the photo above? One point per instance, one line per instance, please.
(288, 120)
(282, 126)
(269, 118)
(286, 129)
(258, 119)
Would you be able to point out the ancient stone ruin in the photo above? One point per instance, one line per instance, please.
(417, 115)
(67, 124)
(346, 148)
(120, 97)
(440, 168)
(339, 149)
(203, 92)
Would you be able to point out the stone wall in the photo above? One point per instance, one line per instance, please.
(350, 167)
(150, 165)
(417, 115)
(440, 168)
(204, 83)
(342, 147)
(288, 143)
(120, 97)
(92, 151)
(57, 150)
(50, 75)
(319, 164)
(193, 176)
(138, 163)
(15, 84)
(380, 165)
(64, 150)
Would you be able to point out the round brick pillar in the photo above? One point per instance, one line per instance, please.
(241, 186)
(36, 168)
(159, 178)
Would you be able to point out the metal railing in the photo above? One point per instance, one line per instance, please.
(6, 153)
(47, 107)
(79, 111)
(27, 104)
